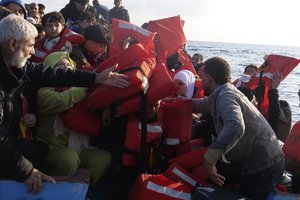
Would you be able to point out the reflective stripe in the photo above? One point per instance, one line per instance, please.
(152, 128)
(134, 28)
(70, 34)
(168, 191)
(39, 54)
(267, 74)
(172, 141)
(183, 176)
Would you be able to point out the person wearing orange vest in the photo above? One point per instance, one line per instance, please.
(93, 51)
(57, 38)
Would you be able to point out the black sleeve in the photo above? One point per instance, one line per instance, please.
(15, 165)
(49, 77)
(274, 108)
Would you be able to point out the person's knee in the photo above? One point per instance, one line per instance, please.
(71, 159)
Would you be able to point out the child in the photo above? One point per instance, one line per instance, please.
(57, 38)
(86, 19)
(93, 50)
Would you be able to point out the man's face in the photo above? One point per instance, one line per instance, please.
(95, 48)
(15, 8)
(250, 71)
(117, 3)
(86, 23)
(81, 7)
(23, 51)
(206, 81)
(196, 60)
(53, 29)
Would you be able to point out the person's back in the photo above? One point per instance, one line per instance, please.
(119, 12)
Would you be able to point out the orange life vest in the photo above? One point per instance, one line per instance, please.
(149, 187)
(273, 63)
(67, 36)
(177, 121)
(161, 85)
(122, 29)
(176, 172)
(133, 133)
(292, 144)
(199, 90)
(170, 36)
(82, 120)
(138, 72)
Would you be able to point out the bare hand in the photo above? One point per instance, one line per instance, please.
(35, 181)
(29, 120)
(211, 171)
(276, 80)
(110, 78)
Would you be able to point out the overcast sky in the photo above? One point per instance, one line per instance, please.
(242, 21)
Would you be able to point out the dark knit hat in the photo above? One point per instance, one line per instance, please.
(97, 33)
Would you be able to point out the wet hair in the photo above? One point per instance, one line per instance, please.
(218, 69)
(53, 17)
(250, 66)
(16, 27)
(87, 16)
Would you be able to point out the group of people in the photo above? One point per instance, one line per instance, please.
(244, 148)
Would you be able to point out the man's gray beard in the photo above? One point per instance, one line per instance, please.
(18, 60)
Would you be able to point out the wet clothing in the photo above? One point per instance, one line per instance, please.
(12, 81)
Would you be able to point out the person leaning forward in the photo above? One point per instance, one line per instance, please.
(245, 150)
(16, 46)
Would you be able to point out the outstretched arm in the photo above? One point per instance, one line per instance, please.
(110, 78)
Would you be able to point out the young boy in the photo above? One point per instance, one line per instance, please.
(86, 19)
(93, 50)
(57, 38)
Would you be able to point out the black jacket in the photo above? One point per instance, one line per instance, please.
(12, 82)
(280, 115)
(71, 13)
(118, 13)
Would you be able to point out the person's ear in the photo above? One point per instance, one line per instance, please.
(12, 44)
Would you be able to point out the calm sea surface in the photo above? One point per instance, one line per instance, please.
(241, 55)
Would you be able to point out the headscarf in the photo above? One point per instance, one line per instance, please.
(54, 58)
(188, 78)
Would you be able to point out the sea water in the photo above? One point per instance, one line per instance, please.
(241, 55)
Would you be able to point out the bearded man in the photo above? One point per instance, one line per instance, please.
(245, 149)
(16, 47)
